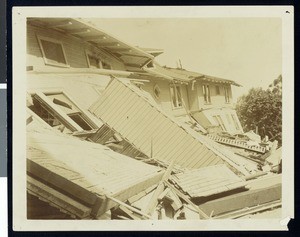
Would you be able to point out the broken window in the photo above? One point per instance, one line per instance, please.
(52, 51)
(236, 123)
(176, 96)
(77, 118)
(226, 91)
(58, 110)
(219, 121)
(93, 61)
(206, 94)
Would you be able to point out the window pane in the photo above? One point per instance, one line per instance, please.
(235, 122)
(173, 96)
(53, 52)
(204, 93)
(179, 98)
(77, 118)
(208, 93)
(94, 62)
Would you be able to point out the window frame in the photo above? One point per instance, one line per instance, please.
(226, 94)
(90, 53)
(46, 60)
(55, 110)
(178, 105)
(206, 93)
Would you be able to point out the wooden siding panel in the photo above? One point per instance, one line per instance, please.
(75, 49)
(127, 111)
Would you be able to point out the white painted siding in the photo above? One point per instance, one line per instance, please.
(75, 49)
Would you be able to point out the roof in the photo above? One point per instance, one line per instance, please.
(130, 55)
(103, 172)
(183, 75)
(208, 181)
(152, 51)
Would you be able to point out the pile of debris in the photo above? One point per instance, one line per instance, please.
(177, 171)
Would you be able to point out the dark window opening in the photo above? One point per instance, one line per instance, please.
(226, 90)
(53, 52)
(44, 114)
(106, 65)
(176, 96)
(94, 62)
(77, 118)
(206, 93)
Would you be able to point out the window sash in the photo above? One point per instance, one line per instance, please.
(54, 54)
(176, 96)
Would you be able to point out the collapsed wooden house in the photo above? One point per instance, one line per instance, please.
(85, 86)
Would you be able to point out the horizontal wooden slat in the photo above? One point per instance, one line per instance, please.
(132, 113)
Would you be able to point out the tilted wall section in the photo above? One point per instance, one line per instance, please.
(129, 111)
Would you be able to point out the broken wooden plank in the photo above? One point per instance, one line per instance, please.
(175, 201)
(129, 207)
(160, 188)
(187, 200)
(163, 194)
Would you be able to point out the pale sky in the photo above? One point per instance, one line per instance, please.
(246, 50)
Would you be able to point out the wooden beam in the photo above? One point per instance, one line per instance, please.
(94, 38)
(59, 199)
(60, 24)
(109, 44)
(78, 31)
(128, 207)
(160, 188)
(187, 200)
(60, 183)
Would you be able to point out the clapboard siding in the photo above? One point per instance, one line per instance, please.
(126, 110)
(165, 100)
(75, 49)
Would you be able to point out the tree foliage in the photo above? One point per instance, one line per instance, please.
(262, 108)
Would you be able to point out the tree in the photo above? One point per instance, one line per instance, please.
(262, 109)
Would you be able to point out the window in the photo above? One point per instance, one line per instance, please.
(156, 91)
(77, 118)
(217, 90)
(93, 61)
(206, 94)
(219, 121)
(106, 65)
(236, 123)
(53, 52)
(59, 111)
(226, 90)
(176, 96)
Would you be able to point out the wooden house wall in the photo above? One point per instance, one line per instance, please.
(216, 100)
(165, 100)
(75, 49)
(149, 129)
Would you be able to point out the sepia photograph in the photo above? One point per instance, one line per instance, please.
(150, 118)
